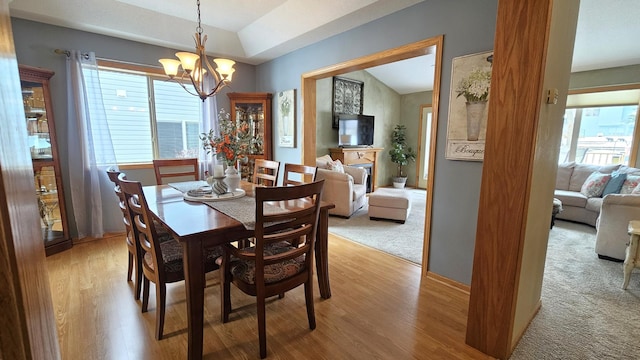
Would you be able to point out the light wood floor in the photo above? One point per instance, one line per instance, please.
(381, 308)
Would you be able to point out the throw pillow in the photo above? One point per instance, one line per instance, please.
(630, 184)
(335, 166)
(615, 183)
(636, 190)
(595, 184)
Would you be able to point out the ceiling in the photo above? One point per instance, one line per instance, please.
(253, 31)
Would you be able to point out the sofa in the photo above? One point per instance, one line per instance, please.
(606, 197)
(344, 186)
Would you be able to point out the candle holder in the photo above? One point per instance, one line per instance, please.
(217, 184)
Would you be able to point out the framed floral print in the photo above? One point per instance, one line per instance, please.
(467, 125)
(286, 115)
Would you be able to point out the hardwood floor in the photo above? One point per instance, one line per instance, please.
(380, 309)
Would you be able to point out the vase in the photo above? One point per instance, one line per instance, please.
(475, 115)
(232, 178)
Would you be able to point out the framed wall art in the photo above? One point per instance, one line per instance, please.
(467, 125)
(348, 96)
(286, 115)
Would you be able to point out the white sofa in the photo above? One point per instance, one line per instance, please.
(346, 189)
(609, 214)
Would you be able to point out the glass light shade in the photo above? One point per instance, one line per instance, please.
(225, 68)
(170, 66)
(198, 74)
(188, 60)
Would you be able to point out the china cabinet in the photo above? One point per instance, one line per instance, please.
(44, 154)
(254, 109)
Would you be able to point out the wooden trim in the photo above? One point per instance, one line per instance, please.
(520, 55)
(28, 329)
(448, 282)
(135, 166)
(520, 333)
(635, 142)
(147, 69)
(308, 105)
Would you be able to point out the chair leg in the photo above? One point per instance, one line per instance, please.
(138, 280)
(161, 291)
(262, 326)
(145, 294)
(130, 266)
(225, 289)
(308, 296)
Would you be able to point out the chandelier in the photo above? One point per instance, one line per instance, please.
(195, 67)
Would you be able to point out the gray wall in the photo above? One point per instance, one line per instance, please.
(35, 42)
(410, 117)
(468, 27)
(605, 77)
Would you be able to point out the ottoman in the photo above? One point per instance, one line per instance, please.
(390, 204)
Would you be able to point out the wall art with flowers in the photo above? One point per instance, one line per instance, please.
(467, 123)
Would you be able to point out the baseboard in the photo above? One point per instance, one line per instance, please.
(466, 289)
(89, 238)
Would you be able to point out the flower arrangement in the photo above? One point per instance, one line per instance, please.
(475, 87)
(231, 143)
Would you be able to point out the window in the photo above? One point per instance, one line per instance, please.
(601, 134)
(149, 117)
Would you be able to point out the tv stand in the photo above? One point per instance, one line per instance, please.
(358, 156)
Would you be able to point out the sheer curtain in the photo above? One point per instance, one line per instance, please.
(208, 121)
(90, 149)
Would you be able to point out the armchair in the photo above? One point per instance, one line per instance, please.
(616, 212)
(347, 190)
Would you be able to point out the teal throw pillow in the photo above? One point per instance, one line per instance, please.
(615, 184)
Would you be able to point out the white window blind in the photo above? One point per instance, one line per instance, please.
(149, 117)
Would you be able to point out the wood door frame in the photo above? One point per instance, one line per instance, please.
(308, 96)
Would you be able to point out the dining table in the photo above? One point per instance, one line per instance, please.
(199, 226)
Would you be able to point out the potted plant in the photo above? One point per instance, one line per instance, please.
(400, 154)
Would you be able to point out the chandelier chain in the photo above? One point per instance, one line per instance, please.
(199, 28)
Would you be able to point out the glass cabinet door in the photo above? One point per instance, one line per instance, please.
(254, 109)
(37, 122)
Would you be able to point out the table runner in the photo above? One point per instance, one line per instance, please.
(244, 210)
(185, 186)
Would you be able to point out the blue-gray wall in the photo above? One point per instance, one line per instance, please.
(468, 27)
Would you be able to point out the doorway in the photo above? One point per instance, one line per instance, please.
(308, 95)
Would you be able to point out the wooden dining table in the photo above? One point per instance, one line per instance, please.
(198, 226)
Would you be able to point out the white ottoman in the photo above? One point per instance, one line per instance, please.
(391, 204)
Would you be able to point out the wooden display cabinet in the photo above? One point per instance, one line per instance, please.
(44, 154)
(255, 110)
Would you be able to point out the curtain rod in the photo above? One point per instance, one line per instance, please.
(67, 53)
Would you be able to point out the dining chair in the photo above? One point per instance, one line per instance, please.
(133, 263)
(162, 261)
(273, 265)
(303, 174)
(176, 170)
(265, 172)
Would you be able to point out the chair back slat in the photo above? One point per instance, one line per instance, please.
(143, 226)
(168, 170)
(265, 172)
(302, 174)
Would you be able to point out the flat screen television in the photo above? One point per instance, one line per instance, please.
(355, 130)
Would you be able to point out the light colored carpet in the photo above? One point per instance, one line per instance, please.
(585, 314)
(402, 240)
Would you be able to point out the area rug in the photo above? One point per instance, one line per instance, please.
(585, 314)
(402, 240)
